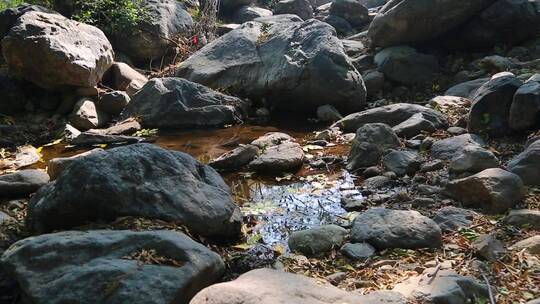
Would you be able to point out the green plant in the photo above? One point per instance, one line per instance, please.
(112, 16)
(13, 3)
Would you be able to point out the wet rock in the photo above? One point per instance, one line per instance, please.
(405, 65)
(53, 51)
(525, 109)
(445, 287)
(391, 115)
(523, 217)
(488, 247)
(531, 244)
(402, 162)
(317, 240)
(493, 190)
(385, 228)
(236, 158)
(179, 103)
(490, 109)
(22, 183)
(473, 159)
(56, 165)
(351, 10)
(328, 113)
(122, 77)
(255, 61)
(369, 144)
(248, 13)
(527, 164)
(448, 148)
(112, 266)
(300, 8)
(266, 286)
(413, 126)
(137, 180)
(154, 37)
(452, 219)
(466, 89)
(113, 103)
(358, 251)
(86, 116)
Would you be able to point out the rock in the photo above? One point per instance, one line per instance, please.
(507, 22)
(13, 95)
(445, 287)
(267, 286)
(391, 115)
(385, 228)
(456, 131)
(179, 103)
(247, 13)
(86, 116)
(137, 180)
(154, 37)
(271, 139)
(490, 109)
(228, 6)
(53, 51)
(493, 190)
(411, 21)
(328, 113)
(525, 108)
(369, 144)
(488, 247)
(112, 266)
(342, 27)
(353, 47)
(385, 296)
(495, 63)
(57, 165)
(113, 103)
(127, 126)
(405, 65)
(290, 64)
(432, 165)
(236, 158)
(121, 77)
(358, 251)
(24, 156)
(376, 182)
(451, 219)
(374, 81)
(9, 16)
(532, 245)
(300, 8)
(473, 159)
(284, 157)
(22, 183)
(90, 139)
(466, 89)
(351, 10)
(402, 162)
(413, 126)
(527, 164)
(523, 218)
(317, 240)
(336, 278)
(450, 147)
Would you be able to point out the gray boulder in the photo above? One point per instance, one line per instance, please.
(53, 51)
(21, 183)
(412, 21)
(137, 180)
(385, 228)
(179, 103)
(527, 164)
(493, 190)
(351, 10)
(466, 89)
(248, 13)
(107, 266)
(290, 64)
(369, 144)
(236, 158)
(391, 115)
(473, 159)
(317, 240)
(405, 65)
(300, 8)
(402, 162)
(525, 109)
(284, 157)
(451, 147)
(452, 219)
(490, 109)
(523, 217)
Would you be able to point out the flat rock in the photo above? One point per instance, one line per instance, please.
(358, 251)
(236, 158)
(285, 157)
(317, 240)
(452, 219)
(450, 147)
(531, 244)
(22, 183)
(523, 217)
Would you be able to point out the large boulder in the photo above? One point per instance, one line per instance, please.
(154, 37)
(179, 103)
(391, 115)
(22, 182)
(525, 109)
(386, 228)
(281, 60)
(527, 164)
(53, 51)
(405, 65)
(411, 21)
(137, 180)
(104, 266)
(369, 145)
(493, 190)
(490, 109)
